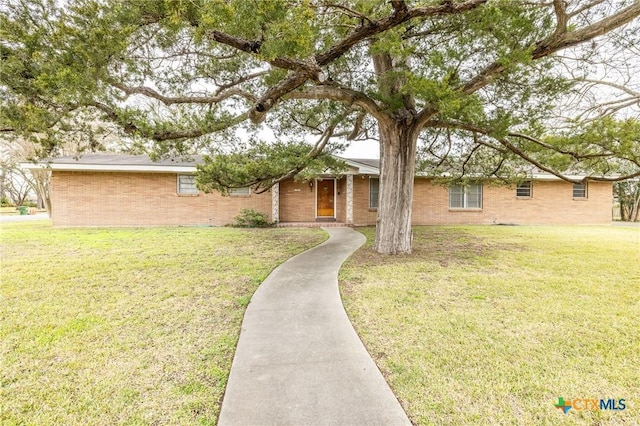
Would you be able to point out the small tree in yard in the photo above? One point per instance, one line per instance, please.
(474, 87)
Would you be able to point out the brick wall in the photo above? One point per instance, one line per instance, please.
(140, 199)
(362, 215)
(297, 202)
(552, 203)
(147, 199)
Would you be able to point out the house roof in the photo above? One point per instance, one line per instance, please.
(118, 163)
(143, 163)
(371, 162)
(130, 160)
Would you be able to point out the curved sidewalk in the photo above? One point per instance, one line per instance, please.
(299, 360)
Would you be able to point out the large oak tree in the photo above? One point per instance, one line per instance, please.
(466, 87)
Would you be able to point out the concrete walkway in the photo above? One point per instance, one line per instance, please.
(299, 361)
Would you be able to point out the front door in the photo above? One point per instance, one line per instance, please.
(325, 197)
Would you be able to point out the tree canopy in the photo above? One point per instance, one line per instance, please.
(462, 87)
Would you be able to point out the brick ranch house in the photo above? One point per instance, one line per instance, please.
(124, 190)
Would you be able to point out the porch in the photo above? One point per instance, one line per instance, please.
(324, 201)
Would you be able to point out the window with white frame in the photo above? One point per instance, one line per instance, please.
(187, 185)
(579, 190)
(465, 196)
(524, 189)
(240, 192)
(374, 192)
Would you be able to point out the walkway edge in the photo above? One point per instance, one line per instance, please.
(299, 360)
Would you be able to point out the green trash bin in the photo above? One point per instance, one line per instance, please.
(24, 210)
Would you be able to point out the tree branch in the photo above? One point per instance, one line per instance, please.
(522, 154)
(258, 113)
(620, 87)
(400, 15)
(241, 80)
(557, 41)
(349, 12)
(341, 94)
(171, 100)
(311, 155)
(585, 7)
(559, 7)
(575, 155)
(131, 128)
(304, 70)
(238, 43)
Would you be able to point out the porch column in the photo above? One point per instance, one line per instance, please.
(275, 203)
(350, 199)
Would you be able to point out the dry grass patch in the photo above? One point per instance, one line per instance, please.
(126, 326)
(490, 325)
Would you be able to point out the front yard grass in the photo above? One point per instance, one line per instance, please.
(126, 326)
(8, 211)
(490, 325)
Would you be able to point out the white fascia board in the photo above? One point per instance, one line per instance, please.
(368, 170)
(545, 176)
(548, 176)
(110, 168)
(360, 168)
(353, 170)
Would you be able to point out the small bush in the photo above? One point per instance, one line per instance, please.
(5, 202)
(249, 218)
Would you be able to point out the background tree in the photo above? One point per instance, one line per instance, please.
(475, 86)
(20, 183)
(628, 194)
(17, 184)
(21, 147)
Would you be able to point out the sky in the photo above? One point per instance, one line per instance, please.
(362, 149)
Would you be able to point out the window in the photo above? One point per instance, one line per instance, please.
(465, 197)
(239, 192)
(187, 184)
(374, 191)
(579, 190)
(524, 189)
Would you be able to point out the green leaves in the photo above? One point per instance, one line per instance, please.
(603, 146)
(176, 73)
(263, 165)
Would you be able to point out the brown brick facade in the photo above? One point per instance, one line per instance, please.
(297, 201)
(151, 199)
(552, 202)
(140, 199)
(362, 214)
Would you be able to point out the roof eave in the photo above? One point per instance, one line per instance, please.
(109, 168)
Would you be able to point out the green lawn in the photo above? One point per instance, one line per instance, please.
(126, 326)
(490, 325)
(8, 211)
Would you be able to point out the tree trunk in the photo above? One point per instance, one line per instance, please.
(42, 180)
(397, 169)
(633, 214)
